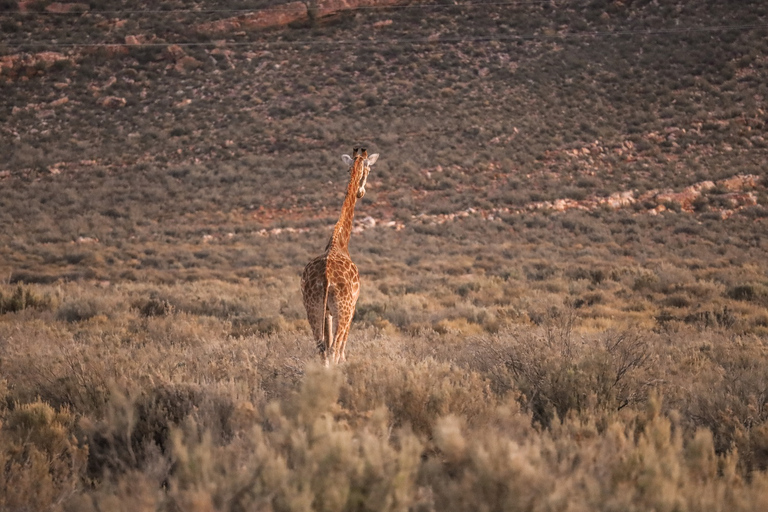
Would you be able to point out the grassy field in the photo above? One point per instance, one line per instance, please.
(562, 250)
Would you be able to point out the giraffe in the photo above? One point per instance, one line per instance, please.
(330, 284)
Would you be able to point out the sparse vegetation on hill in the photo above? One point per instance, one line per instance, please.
(564, 285)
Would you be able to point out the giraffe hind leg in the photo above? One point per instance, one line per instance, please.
(330, 346)
(343, 349)
(341, 356)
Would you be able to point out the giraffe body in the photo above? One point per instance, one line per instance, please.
(330, 301)
(330, 283)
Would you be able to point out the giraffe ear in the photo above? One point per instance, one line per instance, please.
(372, 159)
(347, 159)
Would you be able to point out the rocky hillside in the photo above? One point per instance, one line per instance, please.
(233, 106)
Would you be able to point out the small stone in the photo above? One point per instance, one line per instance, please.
(187, 63)
(113, 101)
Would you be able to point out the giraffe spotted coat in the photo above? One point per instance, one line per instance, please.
(330, 284)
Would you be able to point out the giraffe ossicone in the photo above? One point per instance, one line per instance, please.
(330, 283)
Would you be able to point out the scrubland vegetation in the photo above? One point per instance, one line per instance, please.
(127, 399)
(506, 353)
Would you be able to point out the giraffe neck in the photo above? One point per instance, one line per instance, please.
(343, 229)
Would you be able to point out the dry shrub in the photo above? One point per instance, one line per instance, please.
(303, 457)
(250, 325)
(176, 329)
(80, 309)
(716, 318)
(416, 393)
(154, 306)
(278, 310)
(493, 467)
(135, 492)
(638, 461)
(178, 414)
(341, 438)
(728, 396)
(752, 292)
(46, 361)
(22, 298)
(41, 461)
(135, 430)
(559, 373)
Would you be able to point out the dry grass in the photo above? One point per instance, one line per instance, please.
(181, 410)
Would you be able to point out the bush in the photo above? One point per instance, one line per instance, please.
(78, 310)
(559, 375)
(327, 467)
(41, 460)
(22, 298)
(749, 292)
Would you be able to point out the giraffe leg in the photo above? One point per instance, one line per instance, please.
(340, 358)
(344, 324)
(330, 346)
(343, 356)
(316, 320)
(341, 345)
(321, 349)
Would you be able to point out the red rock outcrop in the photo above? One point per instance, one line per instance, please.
(181, 61)
(65, 8)
(134, 40)
(266, 18)
(740, 182)
(685, 198)
(737, 198)
(292, 12)
(23, 65)
(55, 7)
(28, 64)
(325, 8)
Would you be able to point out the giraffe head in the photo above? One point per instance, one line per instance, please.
(359, 166)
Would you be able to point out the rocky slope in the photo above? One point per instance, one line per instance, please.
(499, 107)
